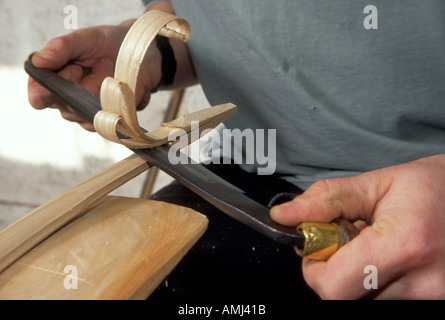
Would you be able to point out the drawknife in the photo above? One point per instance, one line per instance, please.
(315, 240)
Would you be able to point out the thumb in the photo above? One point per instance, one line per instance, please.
(351, 198)
(58, 52)
(82, 46)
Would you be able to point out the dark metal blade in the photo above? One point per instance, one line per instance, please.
(196, 177)
(222, 195)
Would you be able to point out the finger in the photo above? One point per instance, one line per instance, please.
(351, 198)
(70, 115)
(77, 46)
(83, 46)
(143, 96)
(340, 277)
(383, 244)
(386, 247)
(57, 53)
(103, 67)
(41, 98)
(87, 126)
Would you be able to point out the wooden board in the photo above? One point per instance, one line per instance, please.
(122, 249)
(27, 232)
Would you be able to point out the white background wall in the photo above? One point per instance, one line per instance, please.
(41, 155)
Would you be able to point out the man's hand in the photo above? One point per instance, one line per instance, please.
(89, 55)
(86, 56)
(404, 210)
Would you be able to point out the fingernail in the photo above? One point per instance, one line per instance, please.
(279, 208)
(275, 211)
(47, 55)
(289, 204)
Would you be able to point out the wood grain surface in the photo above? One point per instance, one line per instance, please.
(39, 224)
(122, 249)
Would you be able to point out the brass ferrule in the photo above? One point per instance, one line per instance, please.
(323, 239)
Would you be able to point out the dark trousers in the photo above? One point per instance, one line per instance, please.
(232, 262)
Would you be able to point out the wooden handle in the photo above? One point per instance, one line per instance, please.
(27, 232)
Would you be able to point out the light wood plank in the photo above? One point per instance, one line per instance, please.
(122, 249)
(28, 231)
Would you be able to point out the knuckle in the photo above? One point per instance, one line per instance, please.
(329, 193)
(320, 186)
(332, 187)
(65, 115)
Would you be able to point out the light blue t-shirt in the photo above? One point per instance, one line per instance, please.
(343, 98)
